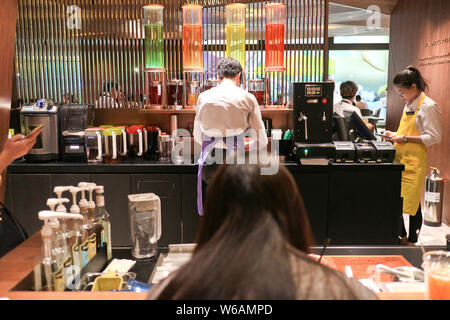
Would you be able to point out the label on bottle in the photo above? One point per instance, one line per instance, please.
(102, 238)
(92, 245)
(84, 249)
(58, 280)
(107, 238)
(432, 197)
(68, 270)
(76, 257)
(100, 200)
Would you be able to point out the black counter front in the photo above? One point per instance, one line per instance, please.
(353, 204)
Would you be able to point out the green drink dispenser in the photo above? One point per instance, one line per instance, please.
(155, 72)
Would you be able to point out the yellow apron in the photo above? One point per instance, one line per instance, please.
(414, 157)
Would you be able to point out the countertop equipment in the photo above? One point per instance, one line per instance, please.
(47, 144)
(313, 111)
(365, 152)
(345, 151)
(314, 151)
(75, 119)
(385, 151)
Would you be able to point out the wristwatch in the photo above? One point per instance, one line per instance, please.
(404, 138)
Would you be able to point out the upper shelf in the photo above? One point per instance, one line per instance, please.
(192, 111)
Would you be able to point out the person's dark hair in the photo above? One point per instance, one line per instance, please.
(358, 97)
(410, 76)
(241, 248)
(110, 85)
(348, 89)
(228, 68)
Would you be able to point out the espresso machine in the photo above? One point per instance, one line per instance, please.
(74, 120)
(313, 119)
(47, 143)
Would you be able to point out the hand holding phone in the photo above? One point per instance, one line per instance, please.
(39, 127)
(383, 136)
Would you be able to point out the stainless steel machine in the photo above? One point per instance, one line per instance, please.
(47, 143)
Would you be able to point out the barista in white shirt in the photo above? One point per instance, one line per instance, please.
(224, 111)
(348, 92)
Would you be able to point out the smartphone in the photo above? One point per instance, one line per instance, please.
(383, 136)
(39, 127)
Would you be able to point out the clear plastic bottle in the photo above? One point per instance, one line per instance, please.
(104, 217)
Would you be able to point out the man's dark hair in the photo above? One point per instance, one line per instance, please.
(348, 89)
(358, 97)
(110, 85)
(228, 68)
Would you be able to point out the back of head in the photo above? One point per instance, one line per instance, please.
(411, 75)
(241, 245)
(228, 68)
(348, 89)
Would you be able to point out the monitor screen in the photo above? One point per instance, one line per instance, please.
(358, 125)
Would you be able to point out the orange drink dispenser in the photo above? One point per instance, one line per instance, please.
(235, 30)
(193, 71)
(274, 68)
(155, 72)
(275, 14)
(437, 275)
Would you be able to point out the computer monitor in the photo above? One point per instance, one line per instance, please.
(358, 126)
(340, 131)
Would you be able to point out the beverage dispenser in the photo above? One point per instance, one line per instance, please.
(235, 14)
(274, 68)
(193, 71)
(155, 72)
(94, 144)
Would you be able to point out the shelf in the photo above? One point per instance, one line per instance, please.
(192, 111)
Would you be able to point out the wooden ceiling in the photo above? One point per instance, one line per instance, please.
(386, 6)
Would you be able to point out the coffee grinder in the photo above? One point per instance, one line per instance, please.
(75, 119)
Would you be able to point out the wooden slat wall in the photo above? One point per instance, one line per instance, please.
(413, 24)
(53, 61)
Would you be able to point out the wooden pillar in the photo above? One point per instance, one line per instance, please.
(8, 19)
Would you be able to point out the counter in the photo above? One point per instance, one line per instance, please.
(19, 263)
(353, 204)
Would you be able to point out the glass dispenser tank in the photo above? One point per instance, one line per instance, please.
(155, 72)
(154, 38)
(274, 68)
(275, 14)
(193, 71)
(235, 14)
(192, 37)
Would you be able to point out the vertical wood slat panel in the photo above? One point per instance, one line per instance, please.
(52, 61)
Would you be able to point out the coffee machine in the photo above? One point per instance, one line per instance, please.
(313, 119)
(74, 120)
(47, 113)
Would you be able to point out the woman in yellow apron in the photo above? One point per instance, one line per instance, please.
(420, 127)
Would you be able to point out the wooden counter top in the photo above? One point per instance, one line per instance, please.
(19, 263)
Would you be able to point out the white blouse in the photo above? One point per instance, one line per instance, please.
(428, 120)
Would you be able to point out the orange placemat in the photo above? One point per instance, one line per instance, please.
(363, 267)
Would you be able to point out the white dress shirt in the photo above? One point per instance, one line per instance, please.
(428, 120)
(345, 105)
(228, 110)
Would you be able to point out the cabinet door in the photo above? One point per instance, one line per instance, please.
(313, 188)
(117, 188)
(28, 195)
(365, 207)
(189, 215)
(167, 187)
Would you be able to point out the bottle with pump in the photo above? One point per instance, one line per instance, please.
(88, 246)
(62, 237)
(76, 234)
(59, 190)
(52, 252)
(104, 216)
(95, 220)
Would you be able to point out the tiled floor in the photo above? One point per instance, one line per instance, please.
(430, 236)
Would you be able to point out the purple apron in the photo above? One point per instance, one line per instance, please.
(208, 144)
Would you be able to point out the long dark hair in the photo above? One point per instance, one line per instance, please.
(241, 244)
(410, 76)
